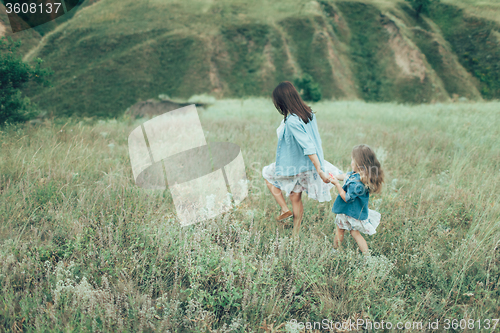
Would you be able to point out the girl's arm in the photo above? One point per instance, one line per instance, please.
(335, 181)
(353, 190)
(341, 176)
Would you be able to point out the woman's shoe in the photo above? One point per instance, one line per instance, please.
(283, 216)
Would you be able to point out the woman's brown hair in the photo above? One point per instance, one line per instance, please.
(369, 167)
(287, 100)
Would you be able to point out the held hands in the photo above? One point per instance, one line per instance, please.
(333, 179)
(323, 176)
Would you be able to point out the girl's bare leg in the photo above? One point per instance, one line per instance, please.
(298, 210)
(276, 192)
(360, 240)
(339, 238)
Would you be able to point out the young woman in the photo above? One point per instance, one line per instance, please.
(299, 165)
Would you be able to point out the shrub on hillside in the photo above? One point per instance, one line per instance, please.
(14, 75)
(308, 88)
(421, 6)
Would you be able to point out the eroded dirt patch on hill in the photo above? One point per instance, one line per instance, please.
(407, 58)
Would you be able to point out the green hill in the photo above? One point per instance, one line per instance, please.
(29, 38)
(112, 54)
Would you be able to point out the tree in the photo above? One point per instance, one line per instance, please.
(14, 75)
(308, 88)
(421, 6)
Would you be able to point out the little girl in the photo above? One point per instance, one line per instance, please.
(351, 205)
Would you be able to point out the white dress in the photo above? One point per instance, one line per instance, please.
(308, 181)
(367, 226)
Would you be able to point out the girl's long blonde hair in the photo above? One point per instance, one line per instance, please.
(370, 171)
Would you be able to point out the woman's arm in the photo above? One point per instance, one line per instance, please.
(303, 139)
(314, 159)
(300, 135)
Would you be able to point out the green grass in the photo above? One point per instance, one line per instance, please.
(245, 44)
(368, 45)
(310, 49)
(475, 44)
(428, 38)
(486, 9)
(82, 248)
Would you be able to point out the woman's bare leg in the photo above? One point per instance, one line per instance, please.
(298, 210)
(276, 192)
(360, 240)
(339, 238)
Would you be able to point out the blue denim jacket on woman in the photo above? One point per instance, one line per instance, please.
(356, 198)
(296, 142)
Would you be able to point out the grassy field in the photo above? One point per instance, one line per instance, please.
(84, 249)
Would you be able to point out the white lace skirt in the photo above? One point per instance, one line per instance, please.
(308, 181)
(367, 226)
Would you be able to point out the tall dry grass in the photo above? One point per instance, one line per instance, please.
(84, 249)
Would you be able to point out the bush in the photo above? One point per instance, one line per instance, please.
(14, 75)
(308, 88)
(421, 6)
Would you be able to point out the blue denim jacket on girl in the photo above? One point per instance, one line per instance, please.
(356, 198)
(295, 143)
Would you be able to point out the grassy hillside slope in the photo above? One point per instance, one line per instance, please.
(115, 53)
(476, 43)
(83, 249)
(29, 38)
